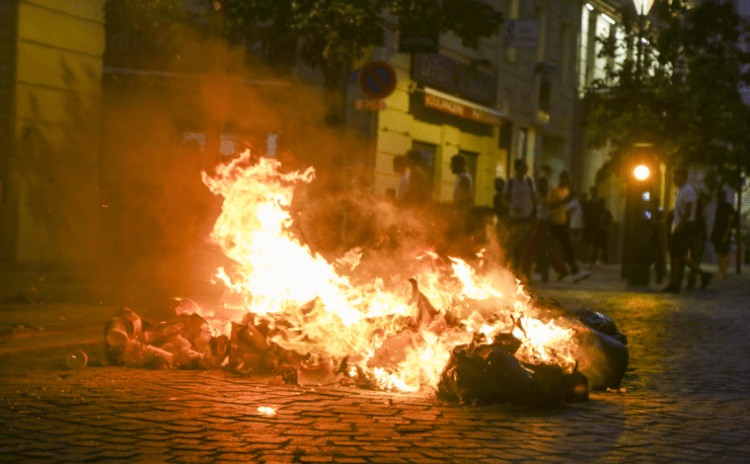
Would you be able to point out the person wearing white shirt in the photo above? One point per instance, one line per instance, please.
(685, 231)
(399, 168)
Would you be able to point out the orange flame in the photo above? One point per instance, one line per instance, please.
(326, 315)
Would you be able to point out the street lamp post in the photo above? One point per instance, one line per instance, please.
(641, 219)
(638, 175)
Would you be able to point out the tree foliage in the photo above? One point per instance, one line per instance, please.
(329, 35)
(684, 98)
(333, 33)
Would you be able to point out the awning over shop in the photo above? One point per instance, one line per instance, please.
(462, 108)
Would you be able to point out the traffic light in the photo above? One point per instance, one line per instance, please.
(642, 214)
(641, 172)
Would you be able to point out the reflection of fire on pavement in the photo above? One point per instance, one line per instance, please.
(291, 314)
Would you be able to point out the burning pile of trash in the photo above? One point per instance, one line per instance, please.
(290, 314)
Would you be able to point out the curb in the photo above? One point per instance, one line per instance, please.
(52, 340)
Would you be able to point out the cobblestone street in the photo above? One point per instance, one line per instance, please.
(686, 400)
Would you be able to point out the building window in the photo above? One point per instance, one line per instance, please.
(541, 48)
(545, 92)
(514, 10)
(583, 49)
(523, 142)
(603, 31)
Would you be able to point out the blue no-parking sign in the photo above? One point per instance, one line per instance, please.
(377, 79)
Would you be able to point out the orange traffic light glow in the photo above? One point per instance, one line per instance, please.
(641, 172)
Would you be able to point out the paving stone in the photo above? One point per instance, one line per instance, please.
(686, 402)
(193, 459)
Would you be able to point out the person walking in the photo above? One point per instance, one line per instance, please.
(557, 201)
(399, 168)
(418, 189)
(521, 198)
(538, 248)
(463, 191)
(721, 232)
(685, 231)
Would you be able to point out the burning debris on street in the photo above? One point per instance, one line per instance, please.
(288, 313)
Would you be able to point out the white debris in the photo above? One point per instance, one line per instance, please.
(266, 411)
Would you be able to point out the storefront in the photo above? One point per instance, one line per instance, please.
(441, 107)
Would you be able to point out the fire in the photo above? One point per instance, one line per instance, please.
(312, 307)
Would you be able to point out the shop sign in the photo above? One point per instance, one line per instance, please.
(523, 33)
(463, 111)
(370, 105)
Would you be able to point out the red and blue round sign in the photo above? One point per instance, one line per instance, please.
(377, 79)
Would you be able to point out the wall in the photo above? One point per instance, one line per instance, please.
(54, 172)
(8, 17)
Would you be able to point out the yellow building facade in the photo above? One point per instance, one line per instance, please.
(400, 128)
(50, 166)
(529, 112)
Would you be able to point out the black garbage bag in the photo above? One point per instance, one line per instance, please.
(489, 373)
(601, 358)
(600, 349)
(598, 322)
(553, 385)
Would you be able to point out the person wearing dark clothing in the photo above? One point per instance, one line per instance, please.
(721, 233)
(699, 244)
(499, 206)
(539, 245)
(685, 231)
(418, 190)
